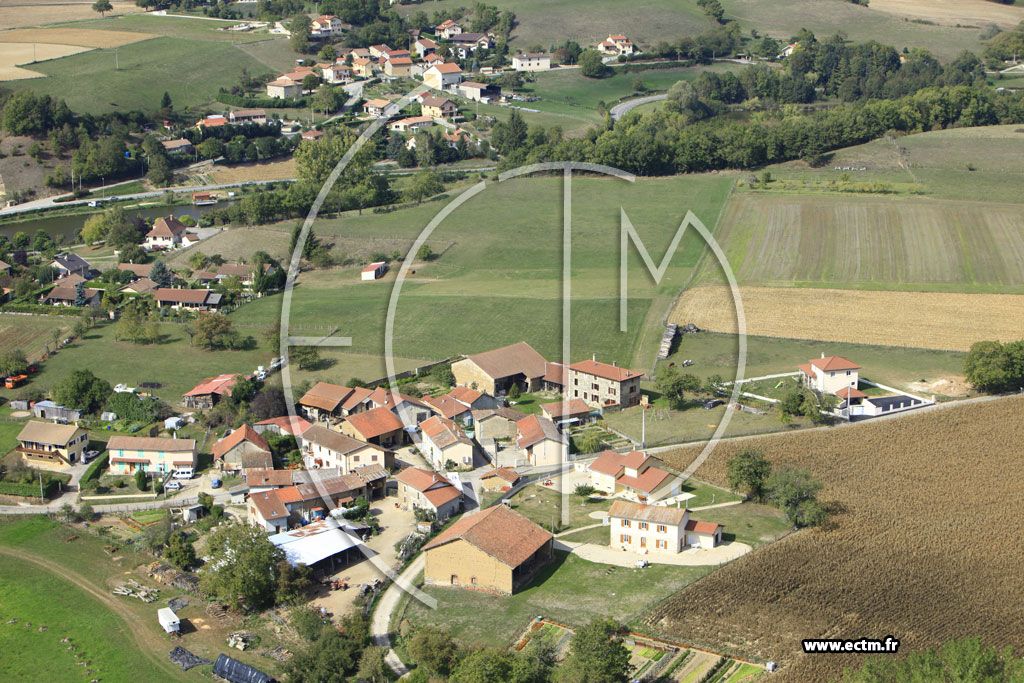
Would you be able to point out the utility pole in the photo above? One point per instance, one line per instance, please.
(42, 498)
(117, 63)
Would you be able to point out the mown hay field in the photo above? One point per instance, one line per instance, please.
(872, 243)
(13, 54)
(926, 320)
(953, 12)
(15, 13)
(74, 36)
(924, 543)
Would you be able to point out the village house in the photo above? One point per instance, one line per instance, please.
(51, 446)
(499, 479)
(166, 233)
(191, 299)
(363, 67)
(325, 25)
(633, 476)
(378, 51)
(284, 425)
(326, 448)
(153, 455)
(207, 393)
(267, 511)
(458, 135)
(312, 134)
(541, 441)
(411, 411)
(496, 550)
(259, 481)
(444, 76)
(480, 92)
(412, 124)
(494, 372)
(212, 121)
(141, 286)
(438, 107)
(444, 442)
(465, 44)
(573, 411)
(375, 107)
(656, 529)
(428, 491)
(615, 45)
(447, 28)
(531, 61)
(337, 73)
(424, 46)
(378, 426)
(70, 264)
(496, 423)
(604, 386)
(245, 273)
(398, 67)
(137, 269)
(323, 401)
(248, 116)
(830, 375)
(243, 449)
(283, 88)
(179, 146)
(278, 508)
(66, 295)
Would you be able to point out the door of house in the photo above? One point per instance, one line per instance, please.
(643, 541)
(455, 579)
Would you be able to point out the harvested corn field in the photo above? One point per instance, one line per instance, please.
(927, 320)
(870, 241)
(924, 543)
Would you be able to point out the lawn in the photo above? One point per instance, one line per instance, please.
(665, 426)
(191, 71)
(569, 590)
(491, 290)
(9, 436)
(706, 494)
(542, 505)
(31, 334)
(598, 535)
(748, 523)
(172, 362)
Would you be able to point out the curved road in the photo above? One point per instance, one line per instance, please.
(623, 108)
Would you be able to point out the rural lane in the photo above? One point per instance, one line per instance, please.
(623, 108)
(380, 629)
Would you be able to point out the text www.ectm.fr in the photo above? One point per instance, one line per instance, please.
(889, 645)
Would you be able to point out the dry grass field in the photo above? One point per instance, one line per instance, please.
(953, 12)
(17, 13)
(927, 320)
(13, 54)
(74, 36)
(924, 543)
(871, 242)
(238, 244)
(268, 170)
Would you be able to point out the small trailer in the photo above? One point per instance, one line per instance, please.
(168, 619)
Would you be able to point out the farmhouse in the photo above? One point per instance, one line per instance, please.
(324, 401)
(572, 411)
(413, 124)
(283, 88)
(494, 372)
(67, 295)
(206, 394)
(465, 44)
(617, 45)
(541, 441)
(496, 423)
(604, 386)
(444, 442)
(165, 234)
(51, 446)
(248, 116)
(443, 76)
(428, 491)
(280, 508)
(192, 299)
(657, 529)
(633, 476)
(500, 479)
(830, 374)
(496, 550)
(531, 61)
(154, 455)
(327, 448)
(70, 264)
(438, 107)
(375, 107)
(377, 426)
(179, 146)
(243, 449)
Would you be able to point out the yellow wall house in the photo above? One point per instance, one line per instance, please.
(51, 446)
(129, 454)
(496, 551)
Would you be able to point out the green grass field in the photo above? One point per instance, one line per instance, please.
(499, 278)
(748, 523)
(31, 334)
(569, 590)
(172, 27)
(543, 505)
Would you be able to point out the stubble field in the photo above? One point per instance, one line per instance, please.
(920, 545)
(927, 320)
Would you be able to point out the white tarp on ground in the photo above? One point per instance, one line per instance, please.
(314, 542)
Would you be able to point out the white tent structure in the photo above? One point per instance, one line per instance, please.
(315, 542)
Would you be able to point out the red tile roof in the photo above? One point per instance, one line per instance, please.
(509, 475)
(374, 422)
(702, 527)
(511, 360)
(167, 227)
(447, 68)
(276, 478)
(215, 385)
(325, 396)
(576, 406)
(850, 392)
(647, 481)
(502, 533)
(833, 363)
(270, 505)
(436, 488)
(535, 428)
(446, 405)
(288, 425)
(243, 433)
(358, 395)
(335, 441)
(647, 513)
(442, 432)
(465, 394)
(605, 371)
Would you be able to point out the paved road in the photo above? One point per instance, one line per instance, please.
(623, 108)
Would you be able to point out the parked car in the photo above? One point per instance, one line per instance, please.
(172, 485)
(89, 455)
(708, 405)
(183, 474)
(215, 483)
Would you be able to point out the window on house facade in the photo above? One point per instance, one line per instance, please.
(643, 526)
(662, 528)
(595, 386)
(625, 538)
(626, 523)
(611, 391)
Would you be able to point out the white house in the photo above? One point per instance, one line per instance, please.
(531, 61)
(632, 475)
(655, 529)
(830, 374)
(444, 76)
(326, 25)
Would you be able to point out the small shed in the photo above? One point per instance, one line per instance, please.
(375, 271)
(238, 494)
(108, 416)
(48, 410)
(192, 513)
(20, 405)
(238, 672)
(168, 620)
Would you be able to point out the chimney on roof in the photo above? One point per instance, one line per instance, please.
(594, 357)
(614, 362)
(822, 354)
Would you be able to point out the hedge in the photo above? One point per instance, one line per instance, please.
(225, 97)
(41, 309)
(94, 470)
(10, 488)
